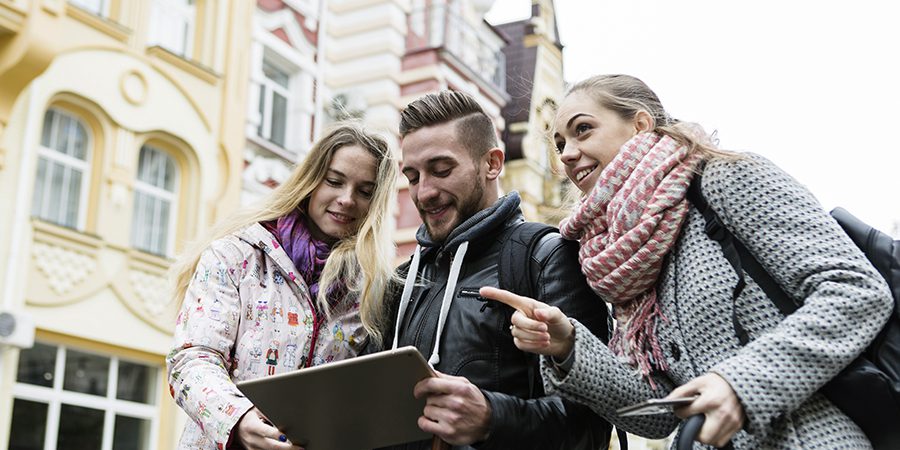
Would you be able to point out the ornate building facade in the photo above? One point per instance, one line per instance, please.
(121, 138)
(127, 128)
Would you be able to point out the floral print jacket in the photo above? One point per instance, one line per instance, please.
(247, 315)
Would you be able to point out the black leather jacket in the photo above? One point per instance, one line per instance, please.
(477, 343)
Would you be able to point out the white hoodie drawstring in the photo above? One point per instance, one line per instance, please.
(449, 294)
(407, 292)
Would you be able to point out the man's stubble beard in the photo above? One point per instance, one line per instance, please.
(469, 206)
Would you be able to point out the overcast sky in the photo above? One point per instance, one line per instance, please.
(812, 85)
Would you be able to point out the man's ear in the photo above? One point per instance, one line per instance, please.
(494, 159)
(643, 121)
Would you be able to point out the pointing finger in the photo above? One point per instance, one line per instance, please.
(524, 304)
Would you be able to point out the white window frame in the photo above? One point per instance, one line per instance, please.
(139, 226)
(185, 11)
(269, 87)
(53, 155)
(102, 11)
(298, 59)
(55, 397)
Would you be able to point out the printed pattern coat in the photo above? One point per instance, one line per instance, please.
(247, 315)
(776, 376)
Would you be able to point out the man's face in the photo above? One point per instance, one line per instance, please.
(445, 184)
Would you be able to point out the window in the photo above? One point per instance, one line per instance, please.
(154, 201)
(172, 25)
(62, 170)
(65, 398)
(97, 7)
(274, 94)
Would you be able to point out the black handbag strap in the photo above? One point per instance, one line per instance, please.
(740, 259)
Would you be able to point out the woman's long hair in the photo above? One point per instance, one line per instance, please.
(627, 95)
(363, 262)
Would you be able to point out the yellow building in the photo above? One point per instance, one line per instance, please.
(121, 137)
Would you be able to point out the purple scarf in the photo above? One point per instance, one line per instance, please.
(308, 253)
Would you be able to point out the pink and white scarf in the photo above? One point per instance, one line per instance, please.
(626, 225)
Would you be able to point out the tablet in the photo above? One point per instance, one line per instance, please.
(354, 404)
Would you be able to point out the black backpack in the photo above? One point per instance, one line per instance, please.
(868, 390)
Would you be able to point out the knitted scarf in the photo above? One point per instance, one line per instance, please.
(626, 225)
(307, 253)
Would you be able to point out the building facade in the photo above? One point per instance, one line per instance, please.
(121, 137)
(534, 72)
(364, 59)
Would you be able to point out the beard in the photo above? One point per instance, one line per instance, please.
(465, 207)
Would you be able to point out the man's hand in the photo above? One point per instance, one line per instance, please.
(455, 409)
(536, 327)
(255, 432)
(718, 401)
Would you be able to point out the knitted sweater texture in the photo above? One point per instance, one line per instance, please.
(776, 376)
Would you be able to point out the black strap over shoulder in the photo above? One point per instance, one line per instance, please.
(516, 274)
(514, 271)
(740, 259)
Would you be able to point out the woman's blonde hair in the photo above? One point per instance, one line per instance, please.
(363, 262)
(627, 95)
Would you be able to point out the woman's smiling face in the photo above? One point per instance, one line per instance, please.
(588, 136)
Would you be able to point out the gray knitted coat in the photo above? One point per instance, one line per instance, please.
(777, 374)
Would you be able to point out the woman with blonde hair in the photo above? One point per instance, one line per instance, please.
(298, 282)
(683, 328)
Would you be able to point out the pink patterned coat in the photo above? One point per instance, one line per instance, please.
(246, 315)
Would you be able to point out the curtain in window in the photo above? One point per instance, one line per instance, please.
(154, 195)
(61, 166)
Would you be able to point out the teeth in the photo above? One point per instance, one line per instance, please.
(580, 175)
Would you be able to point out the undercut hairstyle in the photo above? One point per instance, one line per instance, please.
(474, 129)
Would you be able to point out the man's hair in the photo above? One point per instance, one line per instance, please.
(474, 129)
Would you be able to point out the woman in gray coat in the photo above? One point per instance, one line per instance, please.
(644, 250)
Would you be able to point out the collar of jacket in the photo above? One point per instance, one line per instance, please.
(480, 224)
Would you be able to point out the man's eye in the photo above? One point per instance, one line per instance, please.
(441, 173)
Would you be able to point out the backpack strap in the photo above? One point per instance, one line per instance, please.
(515, 267)
(516, 252)
(740, 259)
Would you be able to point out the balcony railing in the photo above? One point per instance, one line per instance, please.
(476, 46)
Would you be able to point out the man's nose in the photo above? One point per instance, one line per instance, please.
(427, 190)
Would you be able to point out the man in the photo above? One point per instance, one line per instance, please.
(488, 393)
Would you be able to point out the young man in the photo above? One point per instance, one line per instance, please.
(488, 393)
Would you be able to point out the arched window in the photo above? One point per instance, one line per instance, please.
(60, 187)
(155, 196)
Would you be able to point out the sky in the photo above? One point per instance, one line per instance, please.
(812, 85)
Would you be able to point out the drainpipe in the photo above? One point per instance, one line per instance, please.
(321, 35)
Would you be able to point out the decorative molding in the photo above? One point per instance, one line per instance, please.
(191, 67)
(133, 86)
(11, 18)
(150, 290)
(112, 28)
(64, 268)
(143, 288)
